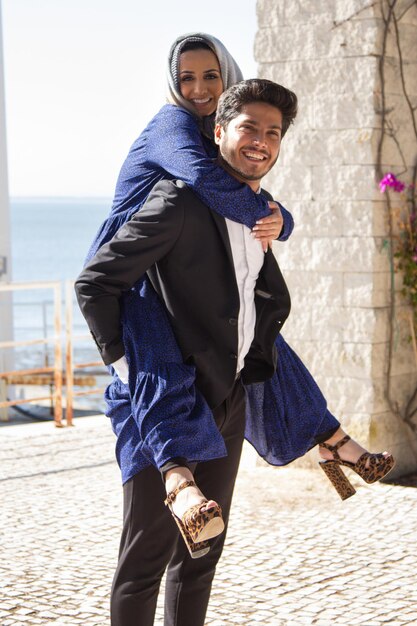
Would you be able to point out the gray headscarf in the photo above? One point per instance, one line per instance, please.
(230, 70)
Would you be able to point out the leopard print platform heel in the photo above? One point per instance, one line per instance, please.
(196, 526)
(370, 467)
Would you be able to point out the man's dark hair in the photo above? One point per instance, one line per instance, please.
(256, 90)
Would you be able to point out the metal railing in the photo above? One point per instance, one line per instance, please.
(70, 365)
(52, 375)
(54, 370)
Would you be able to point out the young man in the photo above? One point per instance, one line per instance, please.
(226, 301)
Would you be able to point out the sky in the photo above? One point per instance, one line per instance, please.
(84, 77)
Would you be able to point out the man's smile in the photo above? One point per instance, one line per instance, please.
(252, 155)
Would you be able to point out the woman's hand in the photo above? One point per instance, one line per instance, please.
(269, 228)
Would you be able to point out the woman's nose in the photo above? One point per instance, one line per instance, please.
(200, 88)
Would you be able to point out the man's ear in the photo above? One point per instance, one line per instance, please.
(218, 133)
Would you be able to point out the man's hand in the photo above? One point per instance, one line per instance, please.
(269, 228)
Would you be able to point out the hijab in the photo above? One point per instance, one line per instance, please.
(229, 69)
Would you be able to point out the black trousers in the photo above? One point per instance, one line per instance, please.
(150, 540)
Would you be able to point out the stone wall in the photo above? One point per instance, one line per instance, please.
(336, 262)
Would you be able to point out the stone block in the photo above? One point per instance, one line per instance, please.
(408, 10)
(354, 10)
(357, 360)
(346, 395)
(337, 359)
(350, 147)
(408, 35)
(358, 426)
(356, 182)
(312, 289)
(365, 325)
(315, 77)
(269, 13)
(365, 218)
(366, 289)
(315, 147)
(318, 40)
(388, 432)
(328, 323)
(336, 111)
(399, 118)
(345, 254)
(276, 13)
(295, 254)
(403, 357)
(392, 75)
(315, 219)
(401, 389)
(305, 12)
(298, 325)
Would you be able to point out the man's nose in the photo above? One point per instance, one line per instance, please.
(259, 139)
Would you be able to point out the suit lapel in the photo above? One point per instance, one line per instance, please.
(220, 223)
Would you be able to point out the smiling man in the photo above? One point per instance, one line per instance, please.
(226, 300)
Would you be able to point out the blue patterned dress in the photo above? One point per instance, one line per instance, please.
(160, 414)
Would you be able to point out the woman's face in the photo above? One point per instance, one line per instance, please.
(200, 80)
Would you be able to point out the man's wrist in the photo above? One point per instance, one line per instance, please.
(121, 368)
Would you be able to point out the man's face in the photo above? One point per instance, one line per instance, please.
(249, 147)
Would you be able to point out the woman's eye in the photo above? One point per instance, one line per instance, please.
(186, 78)
(212, 76)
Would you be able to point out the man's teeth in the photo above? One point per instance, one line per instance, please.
(254, 155)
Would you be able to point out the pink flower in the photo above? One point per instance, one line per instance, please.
(390, 180)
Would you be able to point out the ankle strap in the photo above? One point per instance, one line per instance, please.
(173, 494)
(334, 449)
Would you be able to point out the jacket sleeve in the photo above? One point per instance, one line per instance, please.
(119, 264)
(174, 143)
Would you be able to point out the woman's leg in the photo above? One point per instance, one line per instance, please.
(351, 451)
(186, 498)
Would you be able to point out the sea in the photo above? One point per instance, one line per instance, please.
(50, 238)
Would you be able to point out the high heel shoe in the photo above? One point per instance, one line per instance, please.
(196, 526)
(370, 467)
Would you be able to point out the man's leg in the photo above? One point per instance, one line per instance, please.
(189, 580)
(148, 539)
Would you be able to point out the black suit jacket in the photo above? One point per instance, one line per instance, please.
(184, 248)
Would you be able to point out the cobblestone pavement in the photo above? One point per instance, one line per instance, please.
(296, 555)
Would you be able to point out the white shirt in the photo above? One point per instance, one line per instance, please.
(248, 258)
